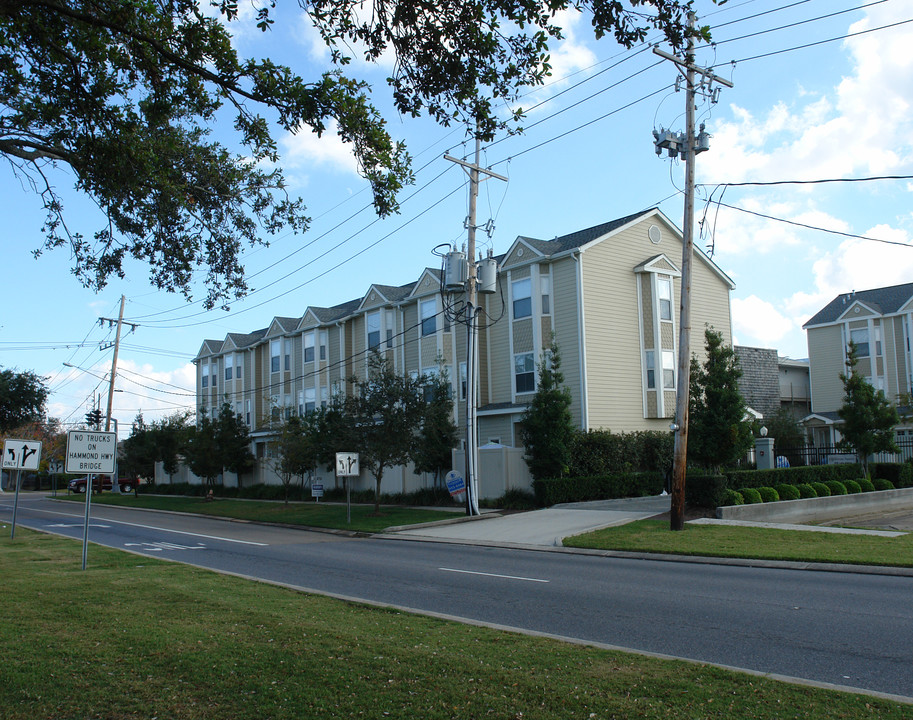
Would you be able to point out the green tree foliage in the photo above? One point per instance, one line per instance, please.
(718, 433)
(547, 429)
(218, 444)
(438, 434)
(868, 416)
(297, 449)
(136, 457)
(22, 398)
(384, 414)
(123, 94)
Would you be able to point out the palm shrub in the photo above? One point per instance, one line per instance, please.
(821, 488)
(852, 487)
(768, 494)
(882, 484)
(836, 487)
(787, 492)
(806, 491)
(750, 496)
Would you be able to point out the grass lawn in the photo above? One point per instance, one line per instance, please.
(749, 542)
(311, 514)
(133, 637)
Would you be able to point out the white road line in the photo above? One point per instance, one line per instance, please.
(507, 577)
(153, 527)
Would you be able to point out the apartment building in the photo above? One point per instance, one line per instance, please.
(609, 295)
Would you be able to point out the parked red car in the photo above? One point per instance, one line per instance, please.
(100, 484)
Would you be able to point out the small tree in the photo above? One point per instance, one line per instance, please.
(137, 454)
(438, 435)
(718, 432)
(297, 448)
(868, 416)
(22, 398)
(547, 428)
(384, 414)
(218, 444)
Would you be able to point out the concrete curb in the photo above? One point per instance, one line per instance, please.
(820, 509)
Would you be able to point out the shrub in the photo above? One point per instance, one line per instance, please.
(882, 484)
(787, 492)
(515, 499)
(578, 489)
(601, 452)
(836, 488)
(822, 489)
(806, 491)
(795, 475)
(732, 497)
(852, 487)
(750, 496)
(865, 484)
(768, 494)
(705, 490)
(900, 474)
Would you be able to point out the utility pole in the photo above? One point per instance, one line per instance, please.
(472, 309)
(120, 322)
(689, 146)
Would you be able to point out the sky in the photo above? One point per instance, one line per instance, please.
(820, 100)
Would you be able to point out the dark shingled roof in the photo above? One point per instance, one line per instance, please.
(581, 237)
(395, 293)
(242, 340)
(885, 301)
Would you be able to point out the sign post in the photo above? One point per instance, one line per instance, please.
(20, 455)
(346, 467)
(91, 452)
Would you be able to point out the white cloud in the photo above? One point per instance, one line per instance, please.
(758, 322)
(305, 151)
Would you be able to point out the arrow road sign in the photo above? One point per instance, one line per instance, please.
(21, 454)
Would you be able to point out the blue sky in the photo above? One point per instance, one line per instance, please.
(833, 110)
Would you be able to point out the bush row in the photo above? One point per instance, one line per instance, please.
(751, 495)
(601, 452)
(600, 487)
(422, 497)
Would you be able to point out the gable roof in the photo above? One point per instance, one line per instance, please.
(582, 237)
(884, 301)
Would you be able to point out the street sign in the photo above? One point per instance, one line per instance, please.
(55, 467)
(455, 483)
(347, 465)
(89, 451)
(317, 490)
(21, 454)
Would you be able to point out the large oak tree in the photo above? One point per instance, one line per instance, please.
(123, 94)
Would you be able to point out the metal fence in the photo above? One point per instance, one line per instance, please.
(831, 454)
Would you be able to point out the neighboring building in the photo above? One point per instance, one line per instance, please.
(879, 321)
(770, 382)
(610, 295)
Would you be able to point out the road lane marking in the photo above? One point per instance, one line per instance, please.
(507, 577)
(153, 527)
(161, 545)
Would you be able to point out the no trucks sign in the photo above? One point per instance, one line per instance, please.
(91, 452)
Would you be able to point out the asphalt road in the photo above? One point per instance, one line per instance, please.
(844, 628)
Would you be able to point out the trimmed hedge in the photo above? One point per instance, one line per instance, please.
(852, 487)
(882, 484)
(866, 485)
(579, 489)
(705, 490)
(603, 453)
(787, 492)
(836, 488)
(793, 475)
(806, 491)
(751, 496)
(822, 489)
(768, 494)
(732, 497)
(900, 474)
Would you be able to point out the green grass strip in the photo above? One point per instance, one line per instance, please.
(133, 637)
(748, 542)
(308, 514)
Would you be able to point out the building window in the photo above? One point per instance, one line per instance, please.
(429, 317)
(323, 344)
(309, 347)
(274, 349)
(288, 354)
(524, 373)
(247, 412)
(238, 365)
(651, 369)
(301, 402)
(204, 378)
(668, 370)
(391, 323)
(373, 321)
(521, 292)
(545, 286)
(228, 367)
(287, 406)
(861, 338)
(324, 396)
(463, 381)
(310, 400)
(664, 287)
(431, 377)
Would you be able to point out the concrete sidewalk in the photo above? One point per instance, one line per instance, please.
(545, 527)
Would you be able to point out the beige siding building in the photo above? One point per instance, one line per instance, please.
(609, 295)
(879, 322)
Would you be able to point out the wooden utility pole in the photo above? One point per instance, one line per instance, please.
(120, 322)
(689, 148)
